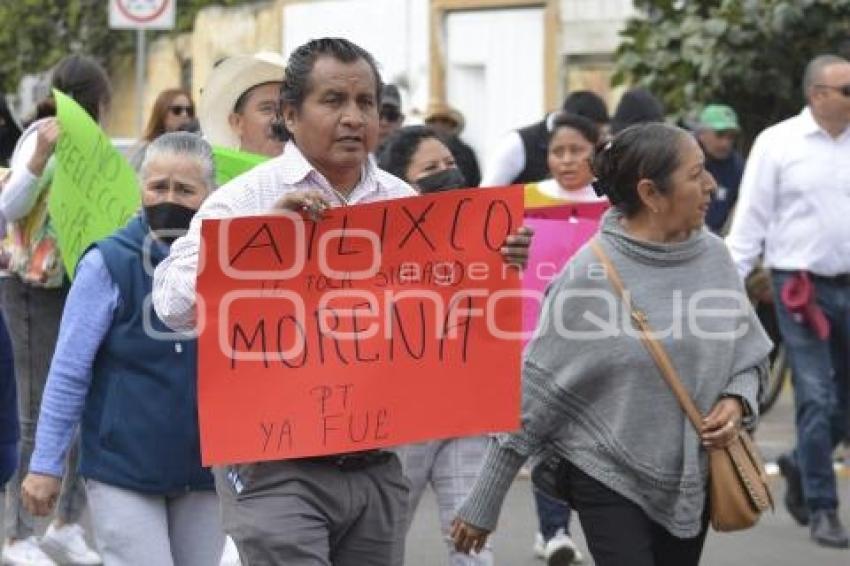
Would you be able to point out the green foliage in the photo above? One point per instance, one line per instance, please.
(36, 34)
(749, 54)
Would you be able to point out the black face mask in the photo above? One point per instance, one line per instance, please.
(169, 220)
(444, 180)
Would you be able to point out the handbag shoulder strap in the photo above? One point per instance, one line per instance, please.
(656, 350)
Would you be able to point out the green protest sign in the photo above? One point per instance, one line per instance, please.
(94, 190)
(230, 163)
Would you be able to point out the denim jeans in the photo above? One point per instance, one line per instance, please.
(821, 379)
(552, 515)
(8, 406)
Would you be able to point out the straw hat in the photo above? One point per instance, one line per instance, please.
(228, 81)
(441, 111)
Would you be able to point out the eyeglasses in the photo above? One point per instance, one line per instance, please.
(177, 110)
(390, 114)
(843, 89)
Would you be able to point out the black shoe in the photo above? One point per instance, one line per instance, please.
(794, 500)
(827, 529)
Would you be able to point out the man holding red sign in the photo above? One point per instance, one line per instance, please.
(341, 509)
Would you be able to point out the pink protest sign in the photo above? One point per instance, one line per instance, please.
(554, 243)
(586, 210)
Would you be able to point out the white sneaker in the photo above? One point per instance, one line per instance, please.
(561, 550)
(539, 548)
(25, 552)
(67, 545)
(230, 556)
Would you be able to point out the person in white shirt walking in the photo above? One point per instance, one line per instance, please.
(793, 207)
(520, 156)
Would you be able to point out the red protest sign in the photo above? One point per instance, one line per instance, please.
(380, 324)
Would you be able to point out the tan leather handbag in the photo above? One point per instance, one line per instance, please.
(738, 488)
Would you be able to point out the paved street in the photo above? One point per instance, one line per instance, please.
(776, 541)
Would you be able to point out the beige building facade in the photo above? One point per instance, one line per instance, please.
(502, 62)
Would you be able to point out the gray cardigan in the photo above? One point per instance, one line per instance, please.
(592, 393)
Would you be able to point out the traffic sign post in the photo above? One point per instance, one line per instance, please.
(141, 15)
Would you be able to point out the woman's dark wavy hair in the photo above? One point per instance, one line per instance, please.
(398, 150)
(296, 78)
(84, 80)
(644, 151)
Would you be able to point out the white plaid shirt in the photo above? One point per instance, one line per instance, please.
(254, 193)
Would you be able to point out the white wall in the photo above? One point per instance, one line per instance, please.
(494, 71)
(593, 26)
(495, 63)
(394, 31)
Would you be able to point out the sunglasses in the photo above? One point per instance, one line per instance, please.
(390, 114)
(177, 110)
(843, 89)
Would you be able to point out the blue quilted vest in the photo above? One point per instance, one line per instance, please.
(140, 425)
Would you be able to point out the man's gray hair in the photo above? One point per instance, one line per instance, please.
(183, 144)
(814, 70)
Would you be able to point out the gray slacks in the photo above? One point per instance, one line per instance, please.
(312, 513)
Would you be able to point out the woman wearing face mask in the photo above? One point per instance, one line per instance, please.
(129, 383)
(571, 147)
(418, 155)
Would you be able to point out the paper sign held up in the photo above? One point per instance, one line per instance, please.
(559, 232)
(380, 324)
(94, 190)
(230, 163)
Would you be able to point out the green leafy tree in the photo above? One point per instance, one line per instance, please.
(749, 54)
(36, 34)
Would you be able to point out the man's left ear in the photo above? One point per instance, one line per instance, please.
(287, 116)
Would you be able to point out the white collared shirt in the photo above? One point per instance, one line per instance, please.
(794, 203)
(254, 193)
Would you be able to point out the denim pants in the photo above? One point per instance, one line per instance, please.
(8, 406)
(33, 316)
(821, 379)
(551, 514)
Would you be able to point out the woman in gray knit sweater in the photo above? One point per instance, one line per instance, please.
(633, 466)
